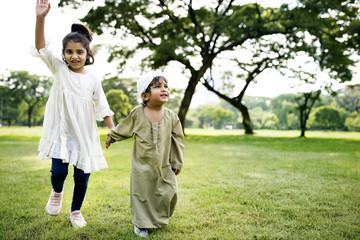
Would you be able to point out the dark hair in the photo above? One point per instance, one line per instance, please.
(81, 34)
(152, 83)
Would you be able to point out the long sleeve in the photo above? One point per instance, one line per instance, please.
(177, 145)
(101, 104)
(124, 130)
(47, 56)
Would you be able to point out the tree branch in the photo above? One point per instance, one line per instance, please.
(198, 28)
(143, 32)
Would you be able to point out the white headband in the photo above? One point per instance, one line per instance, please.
(144, 81)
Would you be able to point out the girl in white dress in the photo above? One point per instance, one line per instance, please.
(76, 101)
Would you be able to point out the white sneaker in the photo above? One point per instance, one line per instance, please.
(53, 205)
(76, 219)
(141, 232)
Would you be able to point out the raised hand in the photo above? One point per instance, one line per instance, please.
(42, 8)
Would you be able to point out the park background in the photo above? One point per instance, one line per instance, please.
(271, 98)
(268, 185)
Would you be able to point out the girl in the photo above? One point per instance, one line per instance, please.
(157, 155)
(76, 101)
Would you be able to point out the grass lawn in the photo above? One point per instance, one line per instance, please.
(272, 185)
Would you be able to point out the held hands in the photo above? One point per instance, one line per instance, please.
(176, 171)
(42, 8)
(108, 142)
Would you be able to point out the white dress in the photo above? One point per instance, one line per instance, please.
(75, 102)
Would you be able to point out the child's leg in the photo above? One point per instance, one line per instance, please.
(81, 181)
(59, 171)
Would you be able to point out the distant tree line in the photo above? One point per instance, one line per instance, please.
(23, 97)
(340, 113)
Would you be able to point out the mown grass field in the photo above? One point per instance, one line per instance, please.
(272, 185)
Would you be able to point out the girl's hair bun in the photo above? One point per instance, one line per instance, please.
(82, 29)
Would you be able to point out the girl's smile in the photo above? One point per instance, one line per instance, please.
(75, 55)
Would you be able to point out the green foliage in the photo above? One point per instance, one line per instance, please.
(285, 108)
(263, 120)
(119, 104)
(349, 98)
(128, 86)
(22, 87)
(327, 117)
(175, 99)
(211, 117)
(195, 36)
(292, 121)
(232, 187)
(254, 101)
(8, 108)
(353, 123)
(282, 112)
(305, 103)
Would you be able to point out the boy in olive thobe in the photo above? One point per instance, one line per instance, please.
(158, 149)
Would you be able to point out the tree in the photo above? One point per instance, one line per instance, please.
(317, 36)
(128, 86)
(194, 35)
(219, 117)
(263, 119)
(352, 123)
(282, 106)
(305, 103)
(27, 88)
(253, 67)
(119, 103)
(8, 108)
(349, 98)
(9, 103)
(213, 116)
(327, 117)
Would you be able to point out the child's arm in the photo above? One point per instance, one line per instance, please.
(109, 122)
(42, 9)
(177, 147)
(122, 131)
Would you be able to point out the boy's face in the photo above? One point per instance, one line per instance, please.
(159, 93)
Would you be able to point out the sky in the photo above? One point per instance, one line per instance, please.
(17, 27)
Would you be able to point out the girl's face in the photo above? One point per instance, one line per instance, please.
(75, 55)
(159, 93)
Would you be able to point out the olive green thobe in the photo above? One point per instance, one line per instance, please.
(158, 148)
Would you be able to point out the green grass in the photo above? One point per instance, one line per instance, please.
(272, 185)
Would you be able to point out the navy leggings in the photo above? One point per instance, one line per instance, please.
(59, 172)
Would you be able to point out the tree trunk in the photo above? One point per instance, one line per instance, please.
(190, 90)
(302, 123)
(302, 132)
(246, 118)
(236, 102)
(31, 108)
(305, 108)
(185, 103)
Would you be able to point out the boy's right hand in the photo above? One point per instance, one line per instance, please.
(42, 8)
